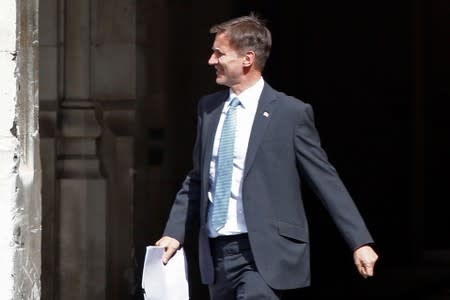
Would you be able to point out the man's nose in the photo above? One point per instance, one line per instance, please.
(212, 60)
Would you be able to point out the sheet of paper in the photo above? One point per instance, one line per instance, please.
(164, 282)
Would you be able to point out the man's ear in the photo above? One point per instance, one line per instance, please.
(249, 58)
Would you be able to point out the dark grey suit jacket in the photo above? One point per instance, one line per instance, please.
(284, 152)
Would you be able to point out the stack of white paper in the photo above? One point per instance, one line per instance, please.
(164, 282)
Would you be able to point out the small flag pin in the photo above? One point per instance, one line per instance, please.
(266, 114)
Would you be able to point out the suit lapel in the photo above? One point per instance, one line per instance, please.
(266, 107)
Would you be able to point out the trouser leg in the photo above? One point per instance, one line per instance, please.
(236, 275)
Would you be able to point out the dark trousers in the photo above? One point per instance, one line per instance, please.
(236, 276)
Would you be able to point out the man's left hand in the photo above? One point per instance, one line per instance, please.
(365, 259)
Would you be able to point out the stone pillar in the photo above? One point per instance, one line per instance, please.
(20, 173)
(81, 186)
(8, 147)
(27, 230)
(49, 93)
(82, 195)
(87, 107)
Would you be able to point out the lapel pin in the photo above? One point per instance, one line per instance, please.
(266, 114)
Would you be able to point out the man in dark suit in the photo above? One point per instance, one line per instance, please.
(253, 231)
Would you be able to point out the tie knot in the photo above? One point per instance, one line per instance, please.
(235, 102)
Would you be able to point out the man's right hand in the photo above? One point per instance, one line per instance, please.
(171, 246)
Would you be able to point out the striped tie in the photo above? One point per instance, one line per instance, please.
(224, 167)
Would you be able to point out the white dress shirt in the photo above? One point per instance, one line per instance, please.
(245, 114)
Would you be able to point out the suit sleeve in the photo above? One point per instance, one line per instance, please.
(185, 209)
(326, 184)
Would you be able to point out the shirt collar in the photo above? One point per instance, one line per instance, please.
(249, 97)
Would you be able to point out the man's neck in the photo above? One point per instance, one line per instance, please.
(249, 81)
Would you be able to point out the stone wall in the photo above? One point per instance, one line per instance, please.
(20, 171)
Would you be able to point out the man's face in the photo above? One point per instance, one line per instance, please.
(227, 62)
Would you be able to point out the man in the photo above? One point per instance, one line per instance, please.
(255, 148)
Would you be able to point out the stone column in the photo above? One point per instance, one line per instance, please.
(8, 146)
(50, 92)
(81, 187)
(27, 230)
(20, 173)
